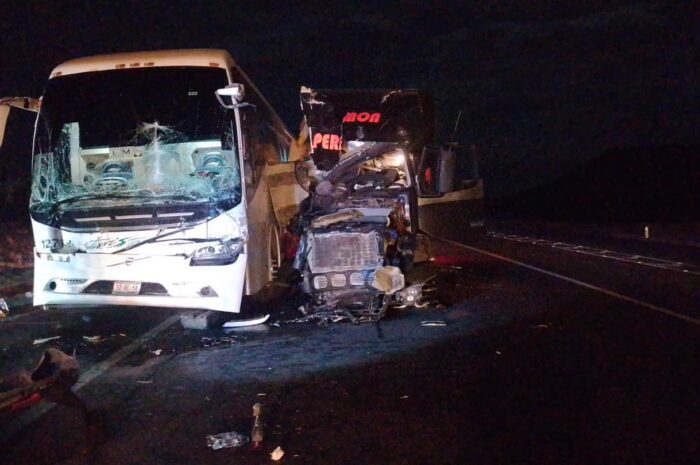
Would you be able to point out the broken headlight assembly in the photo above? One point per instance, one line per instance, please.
(223, 253)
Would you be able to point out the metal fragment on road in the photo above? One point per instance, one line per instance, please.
(433, 323)
(243, 323)
(46, 339)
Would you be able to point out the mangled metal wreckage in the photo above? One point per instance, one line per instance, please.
(356, 237)
(358, 226)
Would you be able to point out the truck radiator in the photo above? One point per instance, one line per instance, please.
(344, 251)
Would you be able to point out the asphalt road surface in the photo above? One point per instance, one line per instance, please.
(575, 353)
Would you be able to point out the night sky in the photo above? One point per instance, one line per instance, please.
(541, 87)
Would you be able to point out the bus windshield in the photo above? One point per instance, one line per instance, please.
(156, 134)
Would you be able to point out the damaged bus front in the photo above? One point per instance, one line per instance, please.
(147, 182)
(371, 164)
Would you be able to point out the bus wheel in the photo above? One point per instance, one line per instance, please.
(274, 253)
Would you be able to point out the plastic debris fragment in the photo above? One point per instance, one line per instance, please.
(277, 454)
(388, 279)
(242, 323)
(230, 439)
(4, 309)
(46, 339)
(433, 323)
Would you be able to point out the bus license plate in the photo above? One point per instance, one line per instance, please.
(126, 287)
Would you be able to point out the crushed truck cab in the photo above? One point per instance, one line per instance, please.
(371, 163)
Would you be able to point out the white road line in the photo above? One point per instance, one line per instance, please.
(604, 253)
(35, 413)
(653, 307)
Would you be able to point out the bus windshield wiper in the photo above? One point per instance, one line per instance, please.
(155, 238)
(142, 194)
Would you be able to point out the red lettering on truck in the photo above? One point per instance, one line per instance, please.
(362, 117)
(327, 141)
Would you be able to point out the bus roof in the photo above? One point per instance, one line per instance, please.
(214, 58)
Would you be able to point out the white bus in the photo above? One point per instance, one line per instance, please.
(149, 182)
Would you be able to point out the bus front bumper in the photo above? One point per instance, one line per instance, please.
(156, 281)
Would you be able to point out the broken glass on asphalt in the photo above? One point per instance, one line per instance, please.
(223, 440)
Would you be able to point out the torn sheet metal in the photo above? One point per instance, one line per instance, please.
(245, 323)
(357, 229)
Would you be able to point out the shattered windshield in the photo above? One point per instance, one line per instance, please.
(157, 135)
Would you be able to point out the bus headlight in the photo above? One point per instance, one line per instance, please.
(223, 253)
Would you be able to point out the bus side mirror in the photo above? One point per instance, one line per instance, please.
(231, 96)
(436, 171)
(24, 103)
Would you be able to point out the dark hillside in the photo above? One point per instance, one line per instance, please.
(659, 184)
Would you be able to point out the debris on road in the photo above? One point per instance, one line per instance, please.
(199, 320)
(157, 352)
(46, 339)
(230, 439)
(244, 323)
(411, 296)
(277, 454)
(52, 379)
(433, 323)
(215, 341)
(328, 316)
(4, 309)
(256, 433)
(94, 339)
